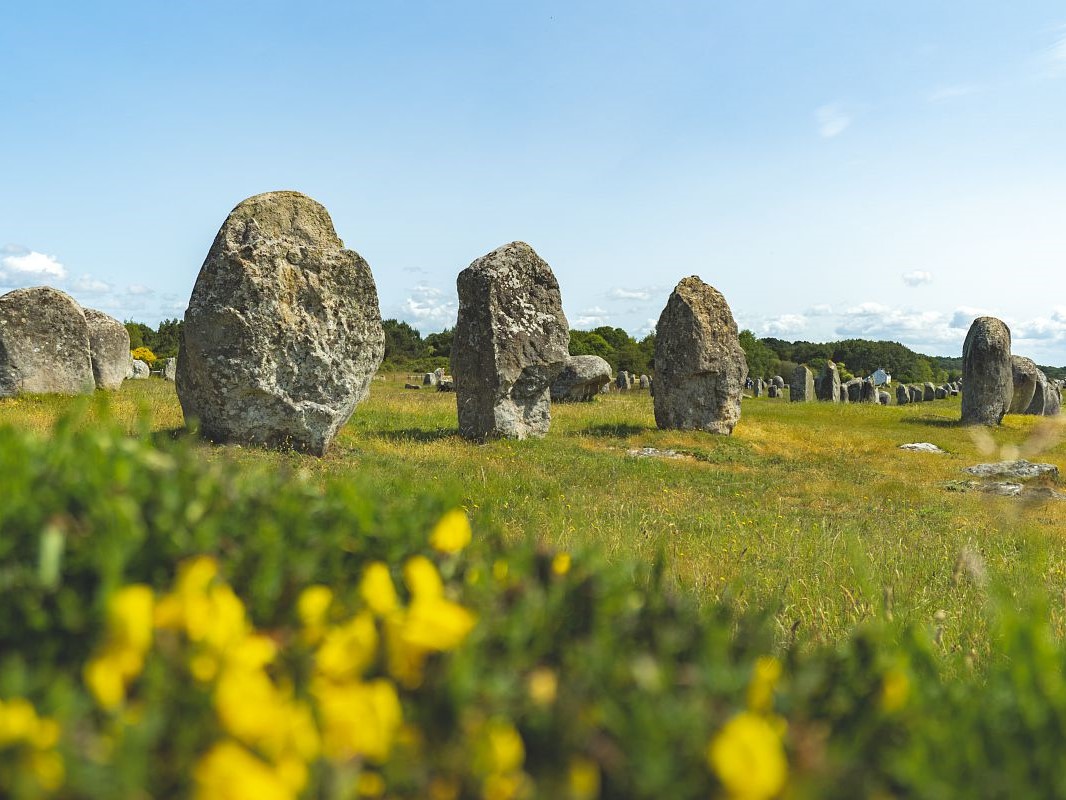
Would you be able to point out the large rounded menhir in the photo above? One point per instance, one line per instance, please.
(283, 332)
(987, 377)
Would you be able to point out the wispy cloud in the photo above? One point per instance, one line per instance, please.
(833, 120)
(917, 277)
(943, 94)
(87, 284)
(786, 324)
(428, 307)
(590, 318)
(619, 293)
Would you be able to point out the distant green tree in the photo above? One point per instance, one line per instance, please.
(587, 343)
(758, 355)
(140, 334)
(439, 344)
(402, 342)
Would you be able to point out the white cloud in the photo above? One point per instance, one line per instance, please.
(832, 120)
(945, 93)
(785, 324)
(917, 277)
(590, 318)
(32, 265)
(87, 284)
(963, 317)
(429, 307)
(139, 290)
(819, 310)
(618, 293)
(1043, 329)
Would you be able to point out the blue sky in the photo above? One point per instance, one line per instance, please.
(879, 170)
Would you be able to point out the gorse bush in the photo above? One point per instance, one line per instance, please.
(177, 627)
(145, 355)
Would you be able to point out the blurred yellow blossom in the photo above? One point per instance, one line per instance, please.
(377, 589)
(358, 719)
(561, 563)
(370, 784)
(452, 533)
(230, 772)
(748, 757)
(895, 690)
(119, 660)
(764, 678)
(422, 578)
(543, 686)
(312, 607)
(348, 649)
(583, 779)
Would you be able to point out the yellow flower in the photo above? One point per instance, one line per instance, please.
(370, 784)
(358, 719)
(377, 590)
(561, 563)
(229, 772)
(312, 607)
(543, 686)
(763, 680)
(895, 690)
(422, 578)
(437, 624)
(18, 720)
(103, 676)
(452, 533)
(583, 779)
(748, 758)
(129, 617)
(502, 748)
(46, 766)
(348, 649)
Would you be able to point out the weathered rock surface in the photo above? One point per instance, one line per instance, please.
(109, 349)
(928, 391)
(44, 344)
(778, 381)
(917, 396)
(884, 398)
(772, 391)
(921, 447)
(868, 391)
(170, 369)
(903, 395)
(140, 371)
(283, 333)
(854, 390)
(511, 341)
(430, 379)
(624, 382)
(1019, 470)
(827, 385)
(700, 367)
(801, 390)
(645, 382)
(759, 387)
(987, 378)
(582, 378)
(1025, 377)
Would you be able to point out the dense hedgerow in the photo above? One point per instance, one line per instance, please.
(176, 626)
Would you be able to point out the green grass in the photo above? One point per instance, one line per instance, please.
(810, 509)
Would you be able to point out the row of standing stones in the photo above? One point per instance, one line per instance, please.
(283, 335)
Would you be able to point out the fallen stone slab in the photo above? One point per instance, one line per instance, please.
(1020, 470)
(652, 452)
(921, 447)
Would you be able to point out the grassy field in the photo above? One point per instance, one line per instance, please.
(809, 509)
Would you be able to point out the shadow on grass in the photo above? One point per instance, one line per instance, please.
(619, 430)
(173, 435)
(416, 434)
(935, 422)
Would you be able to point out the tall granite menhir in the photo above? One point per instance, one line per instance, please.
(109, 349)
(987, 377)
(511, 341)
(283, 333)
(700, 367)
(801, 390)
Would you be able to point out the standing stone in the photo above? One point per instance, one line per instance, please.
(170, 369)
(941, 393)
(1025, 377)
(645, 382)
(986, 372)
(801, 390)
(828, 385)
(778, 381)
(700, 367)
(928, 391)
(510, 343)
(283, 334)
(109, 349)
(883, 398)
(758, 388)
(44, 344)
(854, 389)
(141, 370)
(1041, 395)
(843, 393)
(1052, 401)
(773, 391)
(582, 378)
(903, 395)
(623, 382)
(430, 379)
(917, 395)
(867, 391)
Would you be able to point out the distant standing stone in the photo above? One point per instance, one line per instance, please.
(1025, 378)
(141, 370)
(867, 390)
(170, 369)
(928, 391)
(941, 393)
(884, 398)
(801, 390)
(623, 381)
(828, 384)
(854, 390)
(283, 334)
(843, 393)
(700, 367)
(430, 379)
(109, 349)
(510, 343)
(986, 372)
(903, 395)
(773, 391)
(581, 379)
(778, 381)
(759, 388)
(917, 395)
(645, 382)
(44, 344)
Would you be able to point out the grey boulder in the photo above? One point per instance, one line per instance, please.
(1025, 378)
(283, 334)
(827, 386)
(139, 370)
(987, 377)
(109, 349)
(44, 344)
(511, 341)
(581, 379)
(801, 390)
(700, 367)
